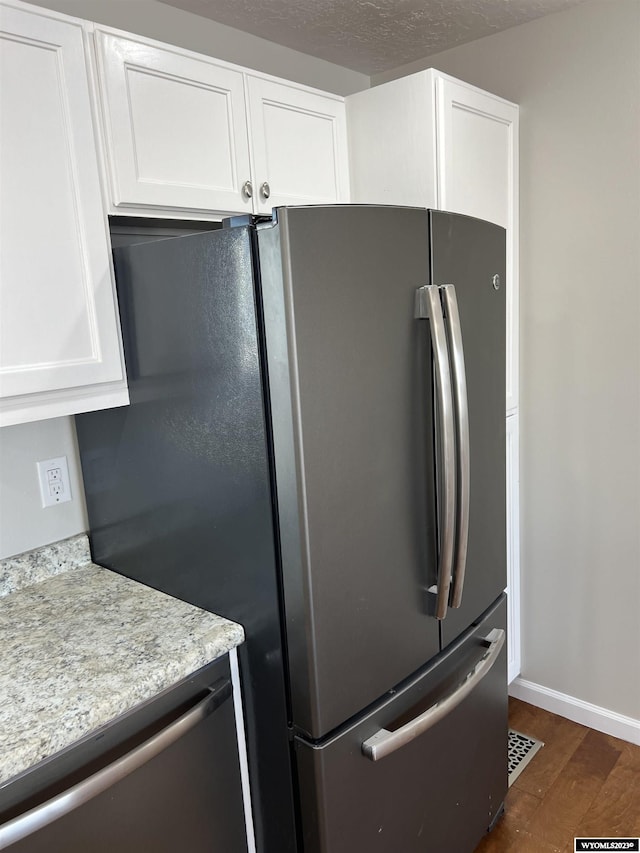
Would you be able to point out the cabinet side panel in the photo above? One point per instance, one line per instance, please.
(392, 153)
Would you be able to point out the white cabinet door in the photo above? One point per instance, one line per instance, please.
(60, 348)
(299, 145)
(478, 175)
(175, 125)
(513, 546)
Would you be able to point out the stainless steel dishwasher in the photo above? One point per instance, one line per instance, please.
(164, 778)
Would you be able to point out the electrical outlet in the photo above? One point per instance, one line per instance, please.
(53, 475)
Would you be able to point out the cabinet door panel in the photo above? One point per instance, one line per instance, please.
(299, 145)
(477, 175)
(176, 128)
(58, 317)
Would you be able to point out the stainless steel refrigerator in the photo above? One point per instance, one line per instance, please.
(315, 447)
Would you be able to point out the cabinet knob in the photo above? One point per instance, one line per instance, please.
(247, 189)
(265, 189)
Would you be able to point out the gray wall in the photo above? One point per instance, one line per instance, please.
(174, 26)
(576, 76)
(24, 524)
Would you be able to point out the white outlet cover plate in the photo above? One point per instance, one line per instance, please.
(53, 475)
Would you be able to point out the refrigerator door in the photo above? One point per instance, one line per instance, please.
(470, 255)
(178, 483)
(350, 392)
(441, 790)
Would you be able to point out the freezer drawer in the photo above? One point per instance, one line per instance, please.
(439, 791)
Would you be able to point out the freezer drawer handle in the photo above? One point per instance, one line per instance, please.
(39, 817)
(429, 307)
(462, 423)
(383, 743)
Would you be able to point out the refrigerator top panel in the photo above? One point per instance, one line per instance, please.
(349, 381)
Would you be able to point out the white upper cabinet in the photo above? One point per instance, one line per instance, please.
(299, 145)
(432, 141)
(60, 349)
(185, 133)
(175, 127)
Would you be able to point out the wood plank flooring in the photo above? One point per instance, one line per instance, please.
(581, 783)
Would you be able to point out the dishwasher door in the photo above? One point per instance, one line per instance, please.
(425, 770)
(175, 789)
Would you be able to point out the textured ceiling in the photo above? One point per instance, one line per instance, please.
(371, 36)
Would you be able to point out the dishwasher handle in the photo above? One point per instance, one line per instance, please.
(383, 742)
(64, 803)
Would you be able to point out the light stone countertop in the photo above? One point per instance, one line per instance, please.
(80, 645)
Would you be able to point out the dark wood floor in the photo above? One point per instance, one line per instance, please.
(581, 783)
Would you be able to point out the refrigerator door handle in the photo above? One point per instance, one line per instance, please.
(429, 307)
(384, 742)
(452, 316)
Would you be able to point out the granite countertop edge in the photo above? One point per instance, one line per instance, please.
(82, 645)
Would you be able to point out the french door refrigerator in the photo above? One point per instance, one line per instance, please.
(315, 447)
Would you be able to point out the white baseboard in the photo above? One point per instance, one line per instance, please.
(600, 719)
